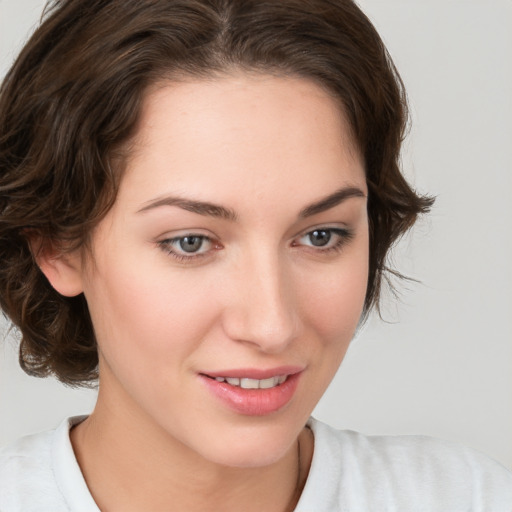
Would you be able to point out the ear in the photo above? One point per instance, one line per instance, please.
(62, 269)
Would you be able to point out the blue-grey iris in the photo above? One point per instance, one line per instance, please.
(191, 243)
(320, 237)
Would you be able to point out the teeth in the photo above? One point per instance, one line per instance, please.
(246, 383)
(249, 383)
(269, 383)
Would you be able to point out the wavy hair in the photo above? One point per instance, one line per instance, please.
(72, 99)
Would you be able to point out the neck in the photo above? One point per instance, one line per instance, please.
(131, 464)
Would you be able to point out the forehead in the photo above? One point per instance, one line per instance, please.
(238, 130)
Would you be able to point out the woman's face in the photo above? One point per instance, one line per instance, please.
(237, 248)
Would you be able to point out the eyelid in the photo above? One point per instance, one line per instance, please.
(167, 244)
(340, 228)
(180, 233)
(344, 235)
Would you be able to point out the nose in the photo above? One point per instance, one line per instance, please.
(261, 308)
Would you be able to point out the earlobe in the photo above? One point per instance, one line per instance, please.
(62, 269)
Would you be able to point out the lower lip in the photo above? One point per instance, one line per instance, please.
(254, 402)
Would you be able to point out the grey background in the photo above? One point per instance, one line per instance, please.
(441, 364)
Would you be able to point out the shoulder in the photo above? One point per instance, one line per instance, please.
(26, 476)
(28, 473)
(406, 473)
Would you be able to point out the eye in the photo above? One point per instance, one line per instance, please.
(325, 239)
(187, 247)
(319, 237)
(191, 244)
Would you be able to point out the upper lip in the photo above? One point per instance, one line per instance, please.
(255, 373)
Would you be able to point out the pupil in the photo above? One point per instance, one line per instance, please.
(320, 237)
(191, 243)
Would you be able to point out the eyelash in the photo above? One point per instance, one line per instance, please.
(344, 236)
(167, 246)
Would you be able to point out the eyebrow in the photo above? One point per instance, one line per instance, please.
(200, 207)
(331, 201)
(215, 210)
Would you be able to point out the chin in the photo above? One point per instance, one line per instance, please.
(247, 456)
(251, 447)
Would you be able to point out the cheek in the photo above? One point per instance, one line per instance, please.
(149, 315)
(333, 302)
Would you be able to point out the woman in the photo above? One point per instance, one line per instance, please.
(197, 202)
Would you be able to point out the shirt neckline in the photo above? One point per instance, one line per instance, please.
(68, 475)
(73, 488)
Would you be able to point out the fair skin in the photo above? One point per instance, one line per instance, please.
(271, 279)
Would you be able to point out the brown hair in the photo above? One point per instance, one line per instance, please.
(73, 98)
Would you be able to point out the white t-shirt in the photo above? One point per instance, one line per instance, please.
(349, 472)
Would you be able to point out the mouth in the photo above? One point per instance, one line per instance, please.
(248, 383)
(254, 392)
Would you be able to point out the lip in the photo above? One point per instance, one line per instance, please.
(253, 402)
(255, 373)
